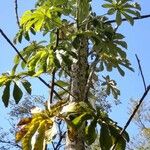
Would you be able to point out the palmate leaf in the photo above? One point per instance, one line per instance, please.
(42, 62)
(110, 86)
(32, 133)
(6, 80)
(123, 7)
(38, 18)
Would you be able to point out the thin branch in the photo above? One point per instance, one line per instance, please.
(52, 85)
(16, 50)
(134, 18)
(88, 84)
(60, 140)
(132, 115)
(11, 143)
(61, 135)
(16, 12)
(140, 68)
(54, 71)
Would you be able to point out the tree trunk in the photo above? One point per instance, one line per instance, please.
(79, 75)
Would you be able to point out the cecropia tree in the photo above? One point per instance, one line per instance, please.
(80, 47)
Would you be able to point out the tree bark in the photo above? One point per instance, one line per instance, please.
(79, 75)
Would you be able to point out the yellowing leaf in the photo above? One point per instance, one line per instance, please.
(40, 138)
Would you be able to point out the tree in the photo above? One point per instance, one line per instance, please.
(81, 46)
(141, 120)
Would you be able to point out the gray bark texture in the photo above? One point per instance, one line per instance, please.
(79, 75)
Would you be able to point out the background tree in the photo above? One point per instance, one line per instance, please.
(81, 45)
(141, 141)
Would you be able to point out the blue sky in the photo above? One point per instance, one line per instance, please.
(137, 37)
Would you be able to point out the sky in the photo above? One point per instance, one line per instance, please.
(131, 86)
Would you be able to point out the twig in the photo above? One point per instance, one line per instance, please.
(132, 115)
(140, 68)
(134, 18)
(54, 71)
(11, 143)
(16, 12)
(88, 84)
(52, 85)
(16, 50)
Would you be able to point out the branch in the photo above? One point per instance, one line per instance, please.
(16, 12)
(140, 68)
(61, 136)
(88, 84)
(54, 71)
(132, 115)
(134, 18)
(11, 143)
(19, 54)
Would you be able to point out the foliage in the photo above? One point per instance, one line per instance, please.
(142, 122)
(69, 24)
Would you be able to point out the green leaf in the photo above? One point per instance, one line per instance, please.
(121, 143)
(26, 36)
(118, 18)
(121, 71)
(62, 83)
(17, 93)
(38, 25)
(136, 13)
(111, 11)
(137, 6)
(118, 36)
(6, 94)
(105, 137)
(110, 1)
(78, 121)
(90, 132)
(27, 86)
(129, 18)
(107, 5)
(122, 43)
(26, 17)
(17, 59)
